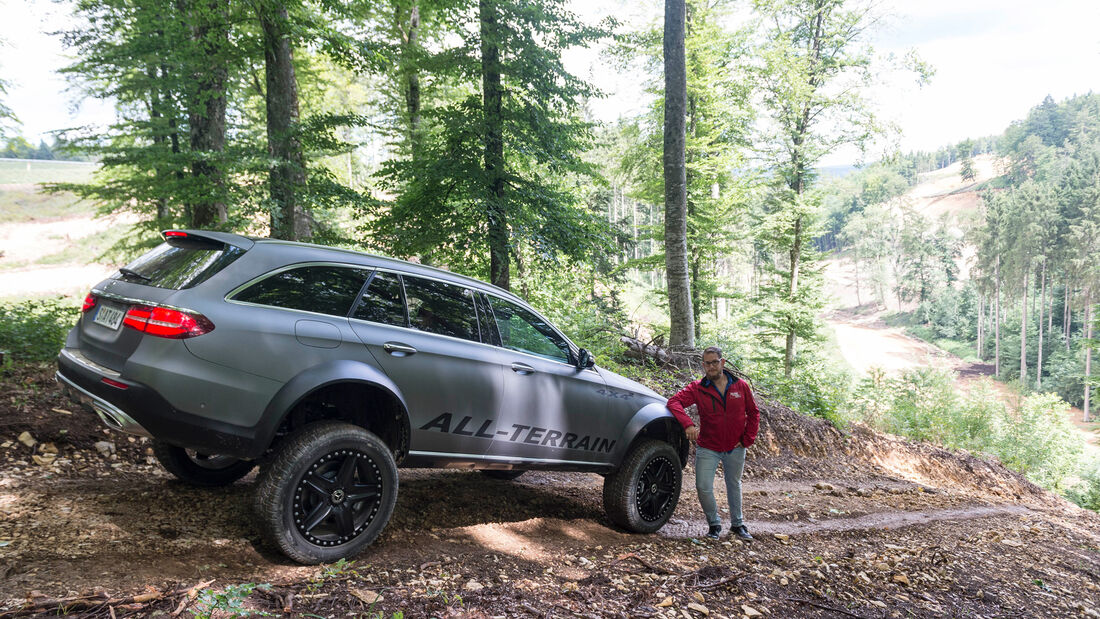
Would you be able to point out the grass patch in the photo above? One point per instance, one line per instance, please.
(21, 172)
(22, 204)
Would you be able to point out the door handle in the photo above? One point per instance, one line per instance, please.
(522, 368)
(398, 349)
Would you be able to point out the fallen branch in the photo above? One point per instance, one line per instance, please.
(192, 593)
(649, 566)
(823, 607)
(724, 581)
(80, 602)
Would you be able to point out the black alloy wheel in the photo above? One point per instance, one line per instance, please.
(642, 494)
(328, 492)
(338, 497)
(656, 487)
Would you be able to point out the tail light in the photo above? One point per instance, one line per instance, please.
(165, 322)
(89, 303)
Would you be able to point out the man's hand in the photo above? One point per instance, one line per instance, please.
(692, 433)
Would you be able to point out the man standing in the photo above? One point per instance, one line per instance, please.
(730, 421)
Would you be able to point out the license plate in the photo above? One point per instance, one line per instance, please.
(109, 316)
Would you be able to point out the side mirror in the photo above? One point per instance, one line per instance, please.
(584, 359)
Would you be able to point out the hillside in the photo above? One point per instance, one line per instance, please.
(862, 525)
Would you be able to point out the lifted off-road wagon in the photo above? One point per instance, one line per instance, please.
(333, 367)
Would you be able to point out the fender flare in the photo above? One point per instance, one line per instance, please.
(318, 377)
(654, 417)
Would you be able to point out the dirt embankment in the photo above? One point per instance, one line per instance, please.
(855, 524)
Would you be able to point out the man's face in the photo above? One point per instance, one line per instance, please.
(713, 365)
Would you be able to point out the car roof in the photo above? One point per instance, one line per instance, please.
(302, 252)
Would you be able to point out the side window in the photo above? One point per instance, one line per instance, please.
(522, 330)
(383, 301)
(322, 289)
(441, 308)
(485, 320)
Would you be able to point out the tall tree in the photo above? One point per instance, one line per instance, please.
(499, 161)
(814, 69)
(681, 316)
(289, 217)
(206, 93)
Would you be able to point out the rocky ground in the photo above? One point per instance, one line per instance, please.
(856, 524)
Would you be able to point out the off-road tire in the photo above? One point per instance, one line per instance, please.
(327, 493)
(506, 475)
(198, 469)
(641, 495)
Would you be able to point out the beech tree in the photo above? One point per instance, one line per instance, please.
(812, 75)
(681, 316)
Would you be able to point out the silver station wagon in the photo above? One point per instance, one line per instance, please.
(331, 368)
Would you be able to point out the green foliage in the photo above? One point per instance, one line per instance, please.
(1086, 493)
(1040, 441)
(1037, 439)
(228, 602)
(35, 330)
(816, 388)
(923, 401)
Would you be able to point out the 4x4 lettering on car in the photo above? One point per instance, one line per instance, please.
(532, 435)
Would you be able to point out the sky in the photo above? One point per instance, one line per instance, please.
(993, 59)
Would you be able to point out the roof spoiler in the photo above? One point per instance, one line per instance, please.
(224, 238)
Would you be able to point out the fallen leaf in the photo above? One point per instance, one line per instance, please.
(367, 596)
(750, 611)
(699, 597)
(782, 537)
(61, 411)
(473, 585)
(665, 603)
(699, 608)
(48, 448)
(27, 439)
(878, 603)
(43, 460)
(902, 578)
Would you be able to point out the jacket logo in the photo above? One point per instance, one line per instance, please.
(735, 395)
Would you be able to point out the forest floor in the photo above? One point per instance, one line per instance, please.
(857, 524)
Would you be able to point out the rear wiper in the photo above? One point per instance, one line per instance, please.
(133, 273)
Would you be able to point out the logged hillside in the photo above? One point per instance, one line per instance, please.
(856, 524)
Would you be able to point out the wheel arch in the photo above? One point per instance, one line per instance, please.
(652, 421)
(343, 391)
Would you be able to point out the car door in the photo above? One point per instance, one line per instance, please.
(551, 412)
(425, 335)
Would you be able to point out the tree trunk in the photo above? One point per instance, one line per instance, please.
(1067, 318)
(492, 103)
(412, 77)
(1023, 334)
(981, 300)
(206, 109)
(792, 292)
(681, 315)
(289, 220)
(997, 320)
(1088, 355)
(1042, 300)
(155, 116)
(855, 262)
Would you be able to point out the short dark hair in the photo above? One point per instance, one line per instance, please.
(713, 349)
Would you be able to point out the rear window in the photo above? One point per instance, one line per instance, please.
(179, 264)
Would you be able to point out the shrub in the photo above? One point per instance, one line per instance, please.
(977, 420)
(814, 388)
(1040, 441)
(35, 330)
(1087, 492)
(923, 402)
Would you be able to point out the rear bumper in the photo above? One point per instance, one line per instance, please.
(111, 415)
(138, 409)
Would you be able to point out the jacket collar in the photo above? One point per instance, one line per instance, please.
(706, 382)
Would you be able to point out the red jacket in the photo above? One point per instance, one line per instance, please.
(724, 423)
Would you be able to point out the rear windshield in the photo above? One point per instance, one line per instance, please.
(180, 263)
